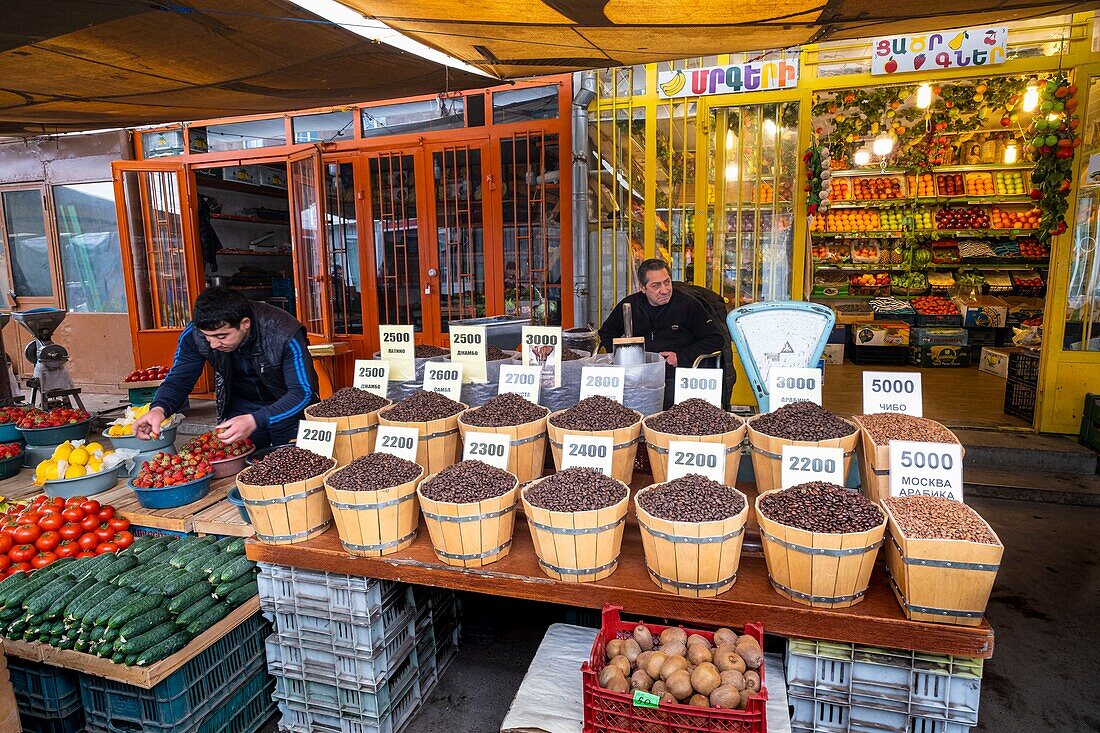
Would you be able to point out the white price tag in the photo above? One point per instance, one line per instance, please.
(578, 451)
(468, 345)
(793, 384)
(400, 442)
(523, 380)
(491, 448)
(705, 384)
(608, 381)
(444, 377)
(692, 456)
(893, 392)
(372, 376)
(802, 463)
(398, 347)
(926, 469)
(541, 347)
(316, 436)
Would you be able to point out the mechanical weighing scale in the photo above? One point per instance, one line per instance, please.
(778, 334)
(51, 385)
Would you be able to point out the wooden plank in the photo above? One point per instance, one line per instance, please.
(20, 486)
(178, 519)
(144, 677)
(141, 385)
(877, 621)
(222, 519)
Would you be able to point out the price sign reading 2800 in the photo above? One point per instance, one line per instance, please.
(893, 392)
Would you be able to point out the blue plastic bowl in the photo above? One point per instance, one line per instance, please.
(97, 483)
(11, 466)
(9, 433)
(58, 435)
(172, 496)
(235, 498)
(167, 438)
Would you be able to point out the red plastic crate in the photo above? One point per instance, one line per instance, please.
(606, 711)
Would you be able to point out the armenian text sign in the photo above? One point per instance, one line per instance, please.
(934, 51)
(751, 76)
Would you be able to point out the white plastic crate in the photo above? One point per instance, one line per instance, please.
(342, 597)
(931, 686)
(298, 718)
(330, 635)
(338, 663)
(822, 716)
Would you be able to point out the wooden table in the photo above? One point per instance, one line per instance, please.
(222, 518)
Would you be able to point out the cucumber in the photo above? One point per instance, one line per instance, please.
(61, 602)
(118, 657)
(218, 561)
(81, 645)
(144, 622)
(181, 582)
(236, 547)
(185, 556)
(196, 610)
(133, 610)
(166, 648)
(124, 579)
(76, 610)
(44, 598)
(152, 579)
(196, 565)
(110, 635)
(225, 589)
(189, 597)
(143, 641)
(224, 542)
(155, 547)
(103, 649)
(130, 660)
(191, 541)
(241, 594)
(97, 633)
(10, 582)
(235, 569)
(21, 592)
(106, 608)
(208, 619)
(90, 565)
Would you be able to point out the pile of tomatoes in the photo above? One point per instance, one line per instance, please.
(934, 305)
(35, 535)
(165, 470)
(209, 446)
(12, 414)
(148, 374)
(37, 419)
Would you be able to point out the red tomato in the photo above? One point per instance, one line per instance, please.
(73, 514)
(89, 524)
(119, 524)
(51, 523)
(87, 542)
(5, 562)
(26, 533)
(22, 553)
(90, 506)
(5, 543)
(123, 539)
(57, 503)
(67, 548)
(70, 531)
(75, 500)
(85, 554)
(12, 571)
(106, 547)
(43, 559)
(24, 566)
(106, 513)
(48, 541)
(103, 532)
(30, 517)
(39, 500)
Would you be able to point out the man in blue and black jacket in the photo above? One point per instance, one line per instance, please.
(263, 375)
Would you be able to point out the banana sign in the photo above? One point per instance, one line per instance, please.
(938, 50)
(752, 76)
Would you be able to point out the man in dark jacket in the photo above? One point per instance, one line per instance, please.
(673, 325)
(263, 375)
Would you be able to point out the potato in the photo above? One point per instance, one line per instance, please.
(750, 651)
(607, 673)
(673, 633)
(679, 684)
(674, 648)
(623, 664)
(614, 648)
(726, 657)
(644, 637)
(726, 697)
(725, 636)
(654, 664)
(752, 681)
(631, 650)
(705, 679)
(698, 653)
(699, 701)
(734, 678)
(671, 666)
(640, 681)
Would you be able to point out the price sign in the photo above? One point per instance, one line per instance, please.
(579, 451)
(807, 463)
(608, 381)
(926, 469)
(792, 384)
(542, 347)
(468, 346)
(893, 392)
(444, 377)
(400, 442)
(372, 376)
(491, 448)
(399, 349)
(705, 384)
(523, 380)
(692, 456)
(316, 436)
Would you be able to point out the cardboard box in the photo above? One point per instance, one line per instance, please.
(932, 357)
(994, 361)
(834, 354)
(983, 312)
(939, 336)
(9, 712)
(880, 333)
(838, 335)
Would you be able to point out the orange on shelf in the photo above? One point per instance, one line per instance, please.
(852, 220)
(839, 191)
(979, 184)
(923, 185)
(765, 194)
(1014, 218)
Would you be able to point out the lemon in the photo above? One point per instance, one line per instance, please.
(75, 471)
(94, 465)
(62, 452)
(114, 431)
(93, 448)
(51, 471)
(41, 469)
(79, 456)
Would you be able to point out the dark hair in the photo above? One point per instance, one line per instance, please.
(218, 307)
(651, 265)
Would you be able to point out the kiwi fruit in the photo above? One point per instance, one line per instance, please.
(654, 664)
(623, 664)
(671, 666)
(658, 688)
(705, 679)
(614, 648)
(679, 684)
(699, 701)
(640, 680)
(750, 651)
(669, 699)
(644, 637)
(673, 633)
(697, 654)
(698, 639)
(674, 648)
(752, 681)
(642, 660)
(607, 673)
(726, 657)
(726, 697)
(631, 650)
(725, 636)
(734, 678)
(618, 684)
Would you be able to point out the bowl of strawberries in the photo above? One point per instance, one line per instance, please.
(53, 427)
(9, 418)
(166, 481)
(226, 458)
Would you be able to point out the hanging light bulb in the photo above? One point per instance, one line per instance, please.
(769, 128)
(1053, 117)
(1011, 153)
(862, 156)
(883, 145)
(1031, 98)
(924, 96)
(729, 139)
(731, 172)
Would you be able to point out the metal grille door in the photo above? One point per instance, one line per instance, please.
(396, 240)
(460, 232)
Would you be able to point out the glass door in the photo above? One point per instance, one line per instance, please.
(309, 233)
(346, 287)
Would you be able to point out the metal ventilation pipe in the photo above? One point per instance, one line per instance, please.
(584, 91)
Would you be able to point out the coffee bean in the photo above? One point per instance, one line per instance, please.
(568, 354)
(492, 353)
(348, 401)
(937, 518)
(427, 351)
(576, 490)
(887, 426)
(693, 417)
(803, 421)
(692, 498)
(374, 472)
(468, 482)
(286, 466)
(595, 413)
(423, 406)
(503, 410)
(818, 506)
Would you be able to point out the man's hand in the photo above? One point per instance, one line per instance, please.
(670, 357)
(235, 428)
(148, 425)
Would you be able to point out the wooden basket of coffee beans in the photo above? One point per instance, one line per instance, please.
(576, 518)
(877, 431)
(522, 421)
(599, 416)
(354, 412)
(470, 511)
(283, 493)
(698, 421)
(820, 542)
(942, 559)
(798, 423)
(373, 500)
(692, 530)
(435, 418)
